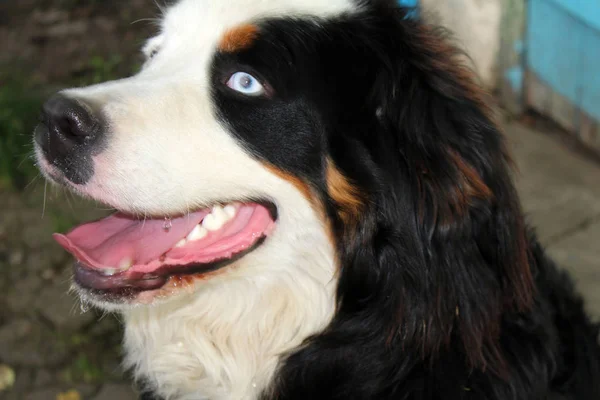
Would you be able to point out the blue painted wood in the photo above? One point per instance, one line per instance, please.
(554, 47)
(587, 11)
(590, 71)
(515, 74)
(564, 51)
(408, 3)
(511, 60)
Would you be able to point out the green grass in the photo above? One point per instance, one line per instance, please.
(82, 369)
(102, 69)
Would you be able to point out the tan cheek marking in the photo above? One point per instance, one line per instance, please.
(307, 193)
(348, 198)
(302, 186)
(239, 38)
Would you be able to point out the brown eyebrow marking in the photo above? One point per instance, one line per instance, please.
(238, 38)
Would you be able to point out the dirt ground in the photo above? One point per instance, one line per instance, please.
(57, 42)
(50, 347)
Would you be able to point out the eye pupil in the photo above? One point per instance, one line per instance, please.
(246, 82)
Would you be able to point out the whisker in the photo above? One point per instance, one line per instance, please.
(151, 20)
(34, 180)
(27, 156)
(65, 195)
(44, 203)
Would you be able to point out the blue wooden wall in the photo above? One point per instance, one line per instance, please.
(563, 49)
(410, 3)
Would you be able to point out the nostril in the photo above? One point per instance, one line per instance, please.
(69, 119)
(68, 134)
(69, 127)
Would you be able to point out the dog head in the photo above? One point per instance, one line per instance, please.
(339, 144)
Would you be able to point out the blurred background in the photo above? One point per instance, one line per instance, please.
(538, 57)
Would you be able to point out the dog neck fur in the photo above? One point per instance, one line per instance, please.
(225, 340)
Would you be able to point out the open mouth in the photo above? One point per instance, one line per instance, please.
(121, 252)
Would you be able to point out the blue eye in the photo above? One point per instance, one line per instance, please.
(245, 84)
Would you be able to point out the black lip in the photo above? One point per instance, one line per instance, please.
(125, 284)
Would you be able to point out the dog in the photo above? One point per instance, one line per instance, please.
(314, 202)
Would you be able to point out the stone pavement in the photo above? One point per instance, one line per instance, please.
(560, 192)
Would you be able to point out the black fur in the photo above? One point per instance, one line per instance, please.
(442, 293)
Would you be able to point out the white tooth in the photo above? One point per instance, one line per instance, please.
(197, 233)
(215, 220)
(125, 264)
(220, 214)
(230, 210)
(109, 271)
(181, 243)
(211, 223)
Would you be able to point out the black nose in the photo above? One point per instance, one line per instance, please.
(69, 124)
(68, 134)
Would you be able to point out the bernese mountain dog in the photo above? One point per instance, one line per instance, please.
(313, 202)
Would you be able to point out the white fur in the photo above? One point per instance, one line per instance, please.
(224, 340)
(223, 337)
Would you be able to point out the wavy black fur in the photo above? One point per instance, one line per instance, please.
(443, 294)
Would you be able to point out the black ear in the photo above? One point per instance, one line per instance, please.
(439, 249)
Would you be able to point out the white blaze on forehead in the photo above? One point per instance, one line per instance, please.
(203, 22)
(214, 15)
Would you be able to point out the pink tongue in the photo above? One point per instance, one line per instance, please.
(106, 243)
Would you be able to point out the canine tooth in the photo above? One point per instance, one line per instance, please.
(125, 264)
(197, 233)
(220, 213)
(216, 219)
(181, 243)
(109, 271)
(230, 210)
